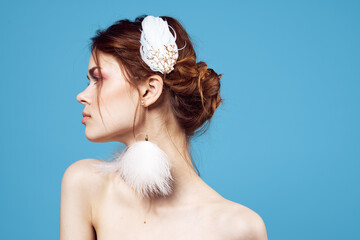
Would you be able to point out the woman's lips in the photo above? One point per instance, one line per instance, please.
(84, 119)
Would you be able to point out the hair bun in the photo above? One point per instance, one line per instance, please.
(209, 88)
(195, 94)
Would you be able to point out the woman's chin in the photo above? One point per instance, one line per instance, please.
(100, 135)
(93, 137)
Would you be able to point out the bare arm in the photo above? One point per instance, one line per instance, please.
(75, 204)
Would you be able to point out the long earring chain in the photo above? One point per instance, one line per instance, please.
(146, 136)
(146, 110)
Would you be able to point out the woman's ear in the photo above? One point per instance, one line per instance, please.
(151, 90)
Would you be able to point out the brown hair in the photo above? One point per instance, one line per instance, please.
(194, 89)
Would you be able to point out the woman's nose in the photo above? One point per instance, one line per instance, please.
(81, 98)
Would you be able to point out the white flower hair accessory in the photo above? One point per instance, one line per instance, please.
(158, 47)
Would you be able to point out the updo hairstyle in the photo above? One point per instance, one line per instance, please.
(194, 89)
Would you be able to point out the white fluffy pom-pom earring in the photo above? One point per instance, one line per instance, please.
(144, 167)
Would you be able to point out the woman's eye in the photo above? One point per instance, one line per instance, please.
(96, 80)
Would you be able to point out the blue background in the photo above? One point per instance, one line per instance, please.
(285, 143)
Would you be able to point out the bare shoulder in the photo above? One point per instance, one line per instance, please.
(240, 222)
(81, 165)
(80, 170)
(76, 200)
(83, 174)
(84, 179)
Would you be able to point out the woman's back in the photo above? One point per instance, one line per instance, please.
(111, 211)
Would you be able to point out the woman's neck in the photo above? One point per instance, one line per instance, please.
(171, 138)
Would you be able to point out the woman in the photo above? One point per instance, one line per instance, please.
(147, 91)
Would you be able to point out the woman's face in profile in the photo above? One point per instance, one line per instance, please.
(117, 102)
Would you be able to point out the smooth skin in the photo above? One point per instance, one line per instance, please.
(100, 206)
